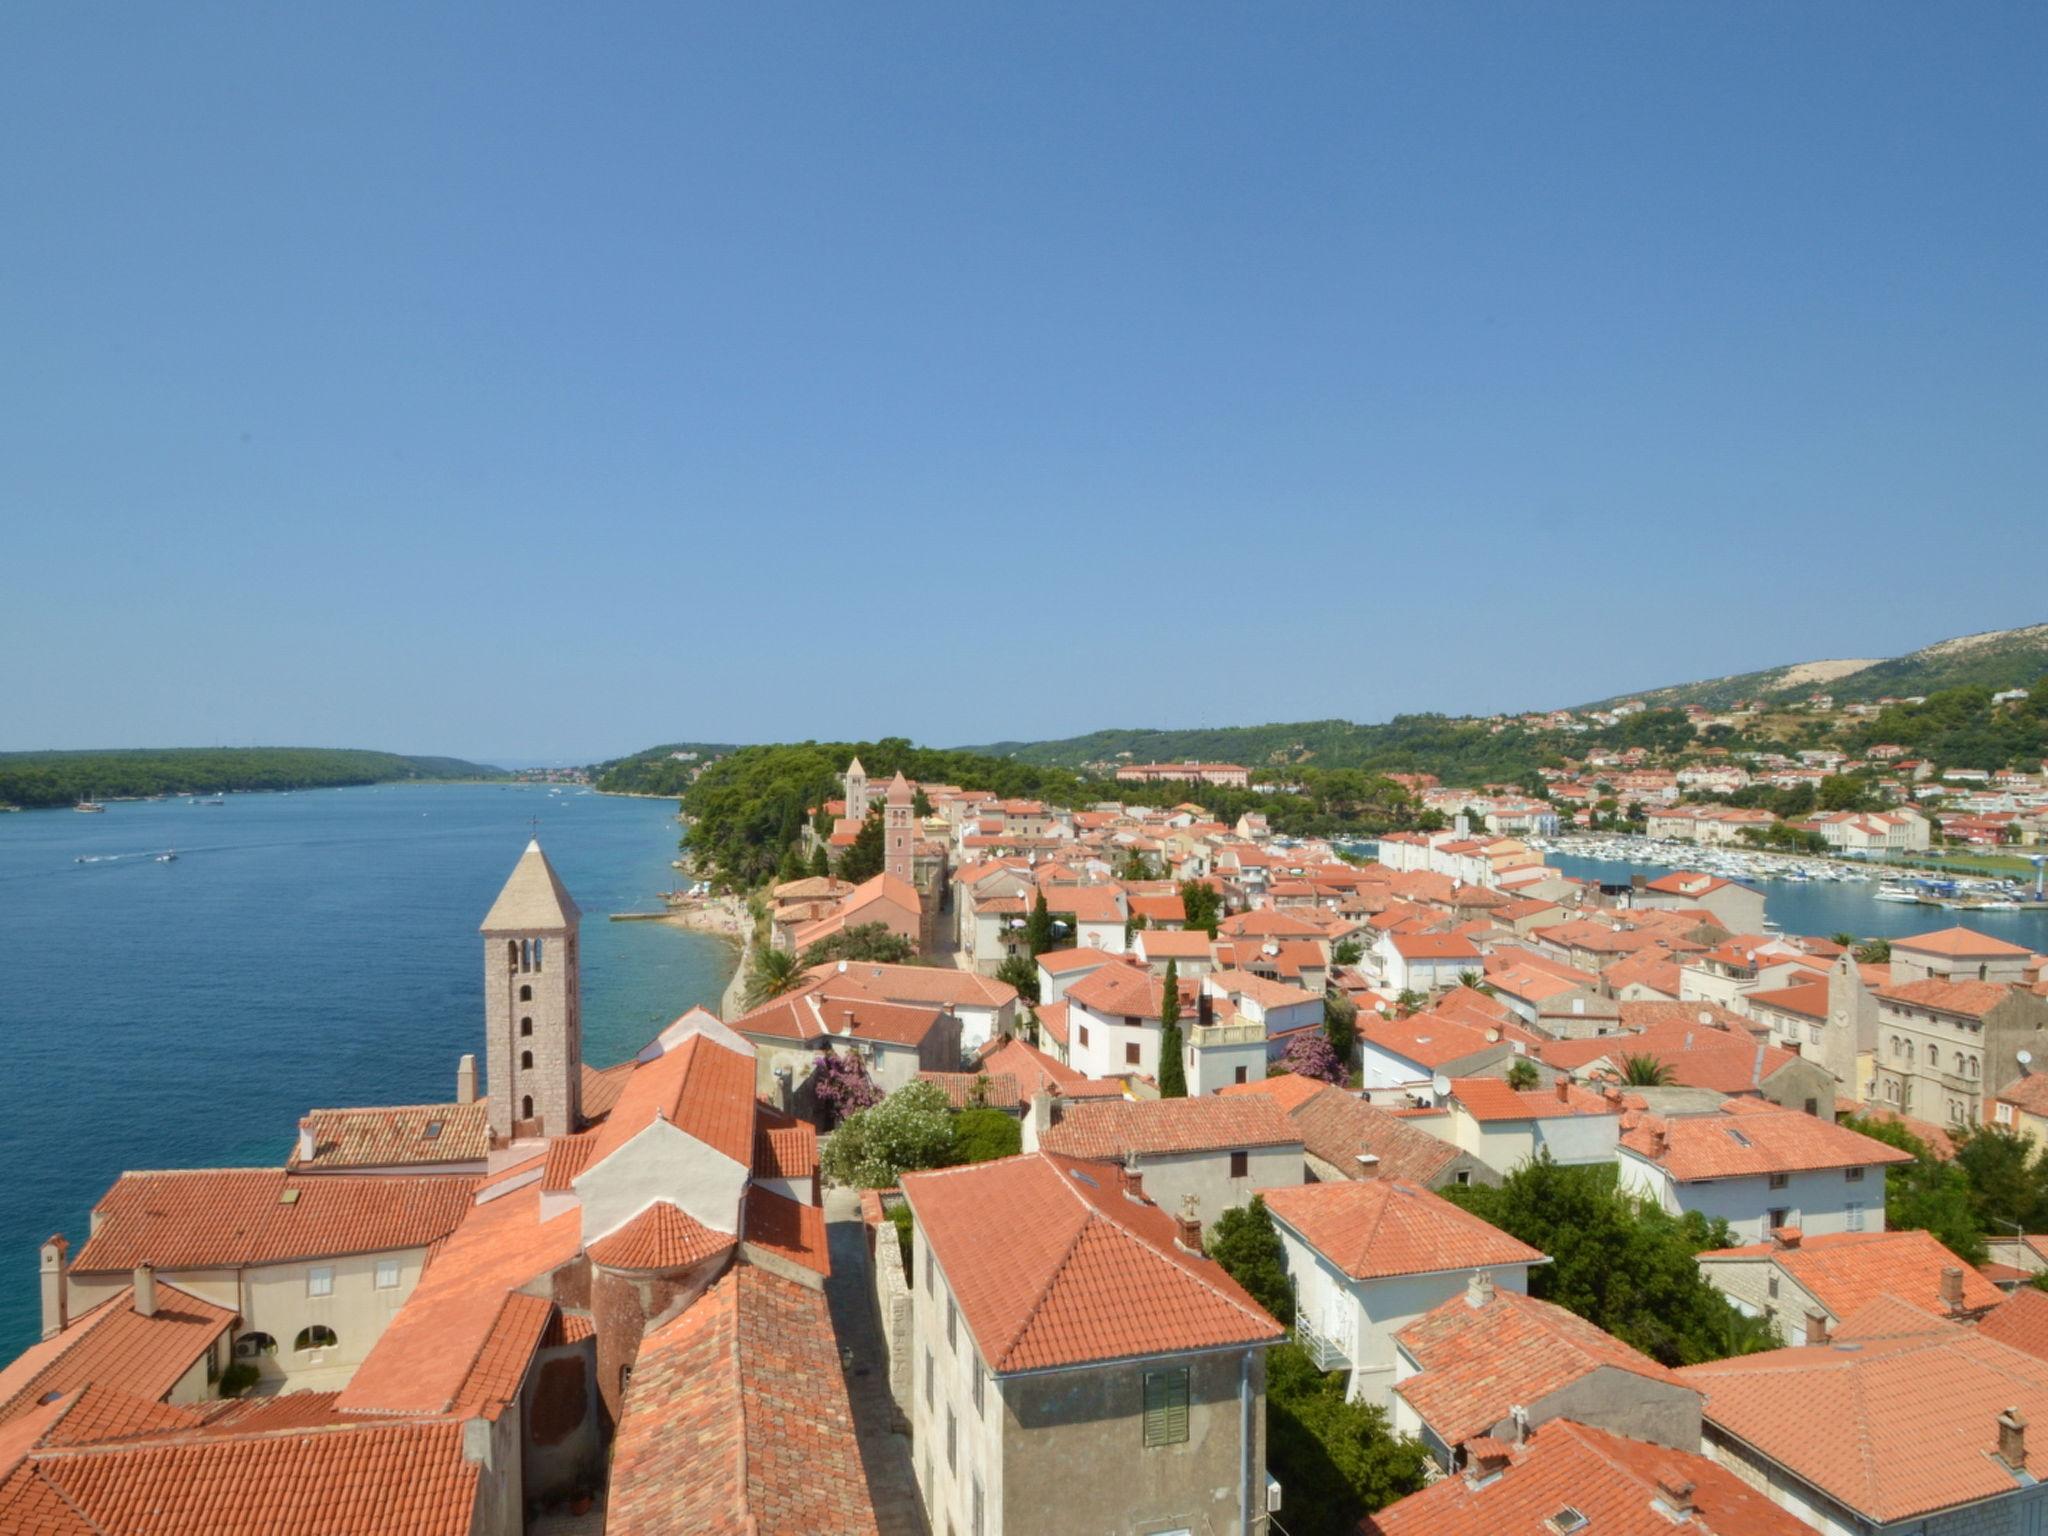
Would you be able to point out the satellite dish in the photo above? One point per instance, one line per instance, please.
(1440, 1085)
(2026, 1058)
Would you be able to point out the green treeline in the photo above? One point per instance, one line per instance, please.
(657, 770)
(39, 779)
(1962, 728)
(749, 807)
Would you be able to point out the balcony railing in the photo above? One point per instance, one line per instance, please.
(1327, 1355)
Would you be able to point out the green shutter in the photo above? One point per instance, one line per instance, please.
(1166, 1407)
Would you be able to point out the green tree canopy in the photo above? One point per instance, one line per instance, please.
(863, 859)
(1927, 1193)
(1021, 972)
(875, 943)
(1038, 927)
(909, 1130)
(983, 1135)
(1245, 1243)
(1622, 1264)
(1173, 1077)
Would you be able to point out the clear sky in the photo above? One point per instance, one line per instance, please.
(538, 381)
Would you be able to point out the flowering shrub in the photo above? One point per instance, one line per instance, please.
(1310, 1055)
(842, 1086)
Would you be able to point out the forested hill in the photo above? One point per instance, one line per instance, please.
(664, 770)
(1998, 658)
(39, 779)
(1458, 751)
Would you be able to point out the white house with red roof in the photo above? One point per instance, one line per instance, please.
(1368, 1257)
(1505, 1127)
(1759, 1167)
(1737, 908)
(1078, 1363)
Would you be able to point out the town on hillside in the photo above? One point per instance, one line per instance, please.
(1121, 1167)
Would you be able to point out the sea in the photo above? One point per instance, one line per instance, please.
(303, 950)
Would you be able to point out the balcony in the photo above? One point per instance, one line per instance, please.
(1327, 1355)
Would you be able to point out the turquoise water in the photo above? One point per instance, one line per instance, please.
(311, 949)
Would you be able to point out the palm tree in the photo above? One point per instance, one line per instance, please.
(773, 973)
(1643, 1070)
(1741, 1334)
(1522, 1074)
(1842, 940)
(1476, 981)
(1410, 1001)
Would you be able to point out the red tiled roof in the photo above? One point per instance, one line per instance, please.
(1617, 1484)
(1288, 1090)
(1429, 1040)
(1478, 1362)
(1972, 999)
(660, 1237)
(821, 1010)
(935, 985)
(737, 1421)
(1893, 1425)
(1489, 1099)
(1118, 1128)
(2021, 1321)
(409, 1478)
(1375, 1228)
(567, 1156)
(1174, 944)
(1846, 1271)
(705, 1090)
(221, 1218)
(1045, 1255)
(115, 1346)
(792, 1229)
(1741, 1141)
(1118, 990)
(965, 1090)
(395, 1136)
(1035, 1071)
(1961, 943)
(423, 1359)
(784, 1146)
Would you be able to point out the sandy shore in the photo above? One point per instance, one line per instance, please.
(726, 916)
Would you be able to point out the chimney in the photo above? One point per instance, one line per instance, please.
(145, 1290)
(1518, 1422)
(1786, 1237)
(307, 1145)
(1479, 1289)
(846, 1020)
(2012, 1439)
(1660, 1141)
(1039, 1121)
(56, 1287)
(1952, 1288)
(1816, 1326)
(1189, 1235)
(465, 1080)
(1134, 1185)
(1564, 1089)
(1675, 1492)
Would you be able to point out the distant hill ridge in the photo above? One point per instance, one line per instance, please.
(39, 779)
(2004, 658)
(1996, 658)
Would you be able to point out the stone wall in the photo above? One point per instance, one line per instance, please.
(892, 1311)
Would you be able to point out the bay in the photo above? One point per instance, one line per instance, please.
(306, 950)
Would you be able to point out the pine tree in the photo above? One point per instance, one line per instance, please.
(1173, 1077)
(821, 861)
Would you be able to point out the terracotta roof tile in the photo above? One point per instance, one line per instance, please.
(1044, 1254)
(966, 1090)
(1117, 1128)
(117, 1347)
(395, 1136)
(1972, 999)
(1893, 1427)
(2021, 1321)
(1478, 1362)
(1490, 1099)
(705, 1089)
(737, 1421)
(1615, 1483)
(784, 1146)
(1035, 1072)
(224, 1217)
(1118, 990)
(792, 1229)
(660, 1237)
(1740, 1141)
(1846, 1271)
(1375, 1228)
(1960, 943)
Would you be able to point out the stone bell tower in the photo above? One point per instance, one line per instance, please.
(533, 1024)
(856, 791)
(899, 823)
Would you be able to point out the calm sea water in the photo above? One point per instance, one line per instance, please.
(311, 949)
(1829, 907)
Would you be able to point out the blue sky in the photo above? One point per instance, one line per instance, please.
(534, 381)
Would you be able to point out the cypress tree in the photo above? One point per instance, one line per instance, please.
(1173, 1077)
(1038, 927)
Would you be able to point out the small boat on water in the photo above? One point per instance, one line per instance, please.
(168, 856)
(90, 807)
(1891, 890)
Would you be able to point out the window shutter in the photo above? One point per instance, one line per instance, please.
(1166, 1407)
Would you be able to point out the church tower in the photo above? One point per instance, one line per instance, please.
(856, 791)
(533, 1023)
(899, 822)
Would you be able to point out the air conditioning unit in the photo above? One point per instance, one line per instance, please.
(1272, 1494)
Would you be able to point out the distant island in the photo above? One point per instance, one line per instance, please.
(37, 780)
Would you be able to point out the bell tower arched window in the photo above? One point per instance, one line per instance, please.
(526, 1026)
(525, 992)
(512, 954)
(526, 1107)
(526, 1061)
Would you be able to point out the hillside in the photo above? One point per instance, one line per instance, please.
(1998, 658)
(34, 780)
